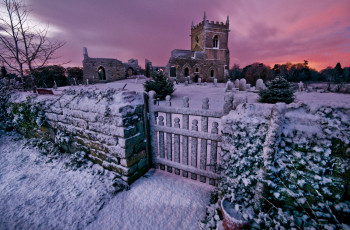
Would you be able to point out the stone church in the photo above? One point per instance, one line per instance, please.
(209, 57)
(98, 70)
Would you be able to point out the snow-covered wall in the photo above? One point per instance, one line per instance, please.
(288, 165)
(107, 124)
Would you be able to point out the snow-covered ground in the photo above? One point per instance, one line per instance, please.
(216, 95)
(44, 191)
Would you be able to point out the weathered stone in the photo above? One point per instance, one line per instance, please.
(136, 139)
(132, 159)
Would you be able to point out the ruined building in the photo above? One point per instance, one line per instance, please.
(107, 69)
(209, 56)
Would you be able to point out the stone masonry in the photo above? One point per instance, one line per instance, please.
(106, 124)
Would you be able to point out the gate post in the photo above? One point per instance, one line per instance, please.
(151, 134)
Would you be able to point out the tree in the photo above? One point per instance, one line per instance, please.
(235, 72)
(255, 71)
(278, 90)
(46, 76)
(160, 84)
(75, 72)
(3, 72)
(21, 43)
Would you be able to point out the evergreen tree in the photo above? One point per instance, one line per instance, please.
(278, 90)
(160, 84)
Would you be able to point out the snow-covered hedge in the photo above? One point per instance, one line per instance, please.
(286, 167)
(107, 124)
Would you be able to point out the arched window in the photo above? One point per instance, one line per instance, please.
(197, 70)
(101, 73)
(197, 39)
(130, 72)
(212, 73)
(215, 42)
(186, 72)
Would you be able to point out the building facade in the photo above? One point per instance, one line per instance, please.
(209, 57)
(99, 70)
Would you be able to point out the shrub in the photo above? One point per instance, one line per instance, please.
(75, 72)
(46, 75)
(160, 84)
(278, 90)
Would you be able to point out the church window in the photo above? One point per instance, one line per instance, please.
(197, 70)
(215, 42)
(212, 73)
(186, 72)
(197, 39)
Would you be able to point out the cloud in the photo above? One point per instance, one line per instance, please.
(266, 31)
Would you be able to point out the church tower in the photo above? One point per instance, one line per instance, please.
(212, 39)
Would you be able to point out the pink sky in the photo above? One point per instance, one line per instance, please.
(269, 31)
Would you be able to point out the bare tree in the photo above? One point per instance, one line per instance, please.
(24, 42)
(10, 39)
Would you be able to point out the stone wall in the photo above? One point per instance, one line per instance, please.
(107, 124)
(114, 69)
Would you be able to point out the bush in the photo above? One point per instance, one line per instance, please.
(75, 72)
(46, 75)
(278, 90)
(160, 84)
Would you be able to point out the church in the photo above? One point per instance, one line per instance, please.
(209, 57)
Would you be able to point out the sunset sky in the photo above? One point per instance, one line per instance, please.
(268, 31)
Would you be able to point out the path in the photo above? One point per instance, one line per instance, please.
(159, 200)
(41, 192)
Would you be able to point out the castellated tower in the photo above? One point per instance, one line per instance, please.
(212, 38)
(209, 56)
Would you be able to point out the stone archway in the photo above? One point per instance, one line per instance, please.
(101, 73)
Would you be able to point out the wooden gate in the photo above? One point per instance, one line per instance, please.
(179, 148)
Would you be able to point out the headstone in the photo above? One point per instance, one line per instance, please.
(237, 83)
(239, 99)
(242, 84)
(200, 80)
(259, 84)
(229, 86)
(226, 74)
(300, 86)
(186, 82)
(247, 87)
(75, 81)
(229, 98)
(215, 82)
(54, 85)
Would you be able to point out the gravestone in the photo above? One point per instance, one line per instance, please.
(242, 84)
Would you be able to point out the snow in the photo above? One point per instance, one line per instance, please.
(40, 191)
(157, 201)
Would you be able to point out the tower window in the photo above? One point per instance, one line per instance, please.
(215, 42)
(197, 39)
(101, 73)
(186, 72)
(197, 70)
(212, 73)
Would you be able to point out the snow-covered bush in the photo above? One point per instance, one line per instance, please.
(278, 90)
(27, 116)
(306, 181)
(5, 119)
